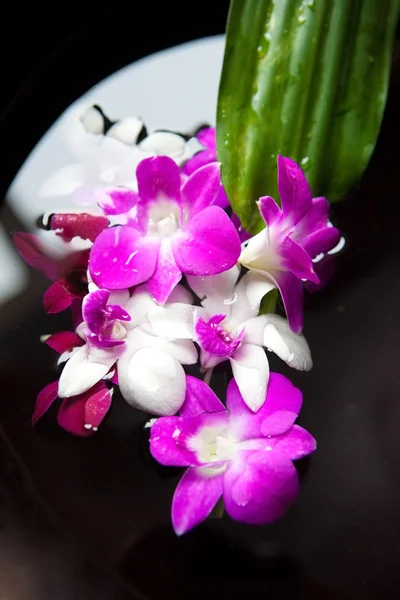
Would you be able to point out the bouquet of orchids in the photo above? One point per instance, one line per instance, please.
(170, 279)
(181, 268)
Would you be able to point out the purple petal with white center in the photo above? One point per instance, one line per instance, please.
(63, 341)
(208, 244)
(295, 259)
(259, 487)
(35, 253)
(94, 310)
(166, 275)
(321, 241)
(196, 495)
(56, 298)
(122, 257)
(81, 373)
(202, 189)
(158, 177)
(44, 400)
(97, 406)
(273, 332)
(251, 372)
(277, 414)
(118, 201)
(168, 437)
(294, 191)
(199, 398)
(291, 289)
(152, 381)
(83, 225)
(213, 339)
(269, 210)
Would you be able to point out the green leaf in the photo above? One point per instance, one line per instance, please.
(307, 79)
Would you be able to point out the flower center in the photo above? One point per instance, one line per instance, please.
(164, 218)
(214, 444)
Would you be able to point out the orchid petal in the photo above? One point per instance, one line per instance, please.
(294, 191)
(165, 445)
(259, 487)
(118, 201)
(202, 188)
(121, 258)
(166, 275)
(81, 373)
(199, 398)
(139, 305)
(182, 350)
(277, 414)
(181, 295)
(44, 400)
(251, 372)
(158, 177)
(153, 381)
(71, 416)
(97, 405)
(269, 210)
(248, 295)
(321, 241)
(295, 259)
(63, 341)
(273, 332)
(35, 253)
(56, 298)
(196, 495)
(93, 310)
(217, 291)
(295, 444)
(173, 321)
(291, 290)
(208, 244)
(164, 143)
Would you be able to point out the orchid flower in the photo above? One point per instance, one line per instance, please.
(119, 337)
(108, 153)
(233, 453)
(230, 328)
(150, 374)
(293, 236)
(178, 230)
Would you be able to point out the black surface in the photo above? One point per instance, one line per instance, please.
(341, 540)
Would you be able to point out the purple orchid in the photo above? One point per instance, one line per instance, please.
(244, 457)
(229, 328)
(293, 236)
(104, 329)
(80, 415)
(178, 230)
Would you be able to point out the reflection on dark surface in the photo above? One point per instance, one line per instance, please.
(341, 539)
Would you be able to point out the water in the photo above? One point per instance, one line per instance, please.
(111, 495)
